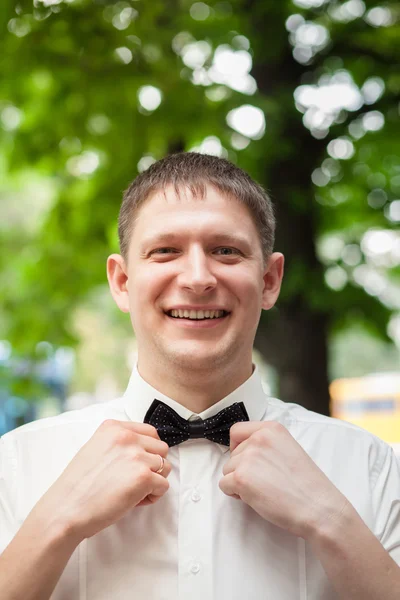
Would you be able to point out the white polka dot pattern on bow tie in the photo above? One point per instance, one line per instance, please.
(174, 429)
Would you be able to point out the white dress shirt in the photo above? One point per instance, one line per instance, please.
(197, 543)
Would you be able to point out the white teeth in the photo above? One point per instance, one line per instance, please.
(196, 314)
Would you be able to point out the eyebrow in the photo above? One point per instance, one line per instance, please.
(218, 238)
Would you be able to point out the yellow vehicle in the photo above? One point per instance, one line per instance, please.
(371, 402)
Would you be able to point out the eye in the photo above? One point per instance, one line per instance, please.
(230, 251)
(162, 251)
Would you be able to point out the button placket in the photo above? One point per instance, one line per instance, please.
(195, 519)
(195, 568)
(196, 496)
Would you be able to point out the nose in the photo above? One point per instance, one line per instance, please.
(196, 274)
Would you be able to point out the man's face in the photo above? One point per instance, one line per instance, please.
(189, 254)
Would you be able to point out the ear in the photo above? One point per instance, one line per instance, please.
(272, 280)
(117, 275)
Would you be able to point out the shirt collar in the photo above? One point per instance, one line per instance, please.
(139, 395)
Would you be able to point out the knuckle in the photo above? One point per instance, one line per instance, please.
(276, 426)
(137, 454)
(143, 475)
(122, 436)
(149, 430)
(164, 448)
(108, 424)
(252, 453)
(260, 437)
(240, 477)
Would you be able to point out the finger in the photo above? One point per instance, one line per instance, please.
(230, 465)
(148, 500)
(228, 486)
(155, 464)
(241, 431)
(160, 485)
(240, 448)
(146, 435)
(156, 493)
(153, 446)
(142, 428)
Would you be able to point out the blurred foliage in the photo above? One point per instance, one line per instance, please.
(74, 132)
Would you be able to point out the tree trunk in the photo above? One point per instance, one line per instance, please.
(295, 343)
(293, 336)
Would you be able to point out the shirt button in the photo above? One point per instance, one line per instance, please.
(196, 496)
(195, 568)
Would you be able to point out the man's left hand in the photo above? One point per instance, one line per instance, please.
(270, 471)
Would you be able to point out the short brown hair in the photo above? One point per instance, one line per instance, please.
(195, 171)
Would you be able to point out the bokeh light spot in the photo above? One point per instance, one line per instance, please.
(11, 117)
(124, 54)
(199, 11)
(145, 162)
(341, 148)
(149, 97)
(247, 120)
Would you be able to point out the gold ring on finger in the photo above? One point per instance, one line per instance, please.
(161, 465)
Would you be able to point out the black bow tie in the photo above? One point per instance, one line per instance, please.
(174, 429)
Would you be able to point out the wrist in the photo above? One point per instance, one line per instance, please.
(332, 525)
(55, 530)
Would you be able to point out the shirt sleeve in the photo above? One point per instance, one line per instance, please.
(8, 472)
(386, 502)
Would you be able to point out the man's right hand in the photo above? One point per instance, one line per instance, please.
(111, 474)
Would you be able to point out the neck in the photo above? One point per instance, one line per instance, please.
(195, 389)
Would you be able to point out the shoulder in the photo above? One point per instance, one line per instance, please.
(329, 440)
(69, 429)
(34, 455)
(291, 414)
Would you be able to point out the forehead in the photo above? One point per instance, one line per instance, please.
(168, 210)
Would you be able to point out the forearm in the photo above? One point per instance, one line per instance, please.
(33, 562)
(356, 563)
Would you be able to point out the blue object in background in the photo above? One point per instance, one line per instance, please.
(54, 373)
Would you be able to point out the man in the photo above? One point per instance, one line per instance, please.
(195, 484)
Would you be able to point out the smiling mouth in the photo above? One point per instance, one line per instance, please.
(197, 315)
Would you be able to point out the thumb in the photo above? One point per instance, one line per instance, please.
(241, 431)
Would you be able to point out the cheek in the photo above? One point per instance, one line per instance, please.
(248, 290)
(147, 287)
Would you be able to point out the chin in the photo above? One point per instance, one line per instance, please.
(196, 360)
